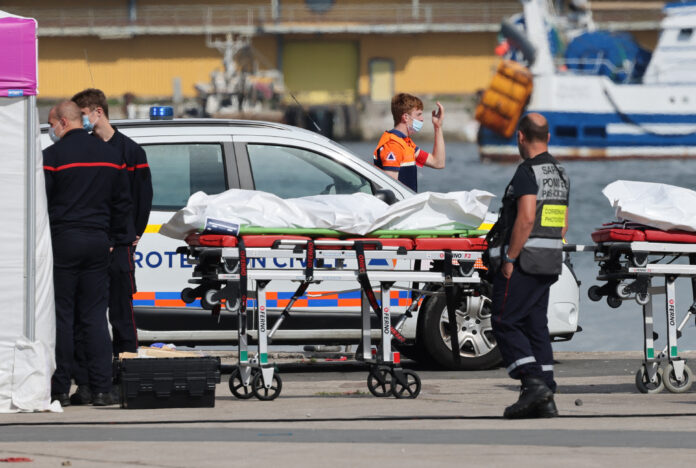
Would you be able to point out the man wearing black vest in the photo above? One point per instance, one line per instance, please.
(532, 225)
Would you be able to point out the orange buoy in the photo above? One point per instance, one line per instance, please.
(501, 105)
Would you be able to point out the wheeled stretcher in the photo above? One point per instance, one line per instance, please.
(630, 258)
(224, 279)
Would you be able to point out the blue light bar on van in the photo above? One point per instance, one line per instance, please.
(161, 113)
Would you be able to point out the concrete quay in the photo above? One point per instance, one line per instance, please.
(325, 416)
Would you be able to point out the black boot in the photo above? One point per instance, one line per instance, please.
(547, 409)
(102, 399)
(534, 393)
(82, 396)
(62, 398)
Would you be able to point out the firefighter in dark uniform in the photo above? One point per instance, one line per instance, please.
(95, 110)
(89, 214)
(527, 258)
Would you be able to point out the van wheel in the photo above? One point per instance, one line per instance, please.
(478, 349)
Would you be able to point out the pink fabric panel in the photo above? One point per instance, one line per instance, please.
(18, 74)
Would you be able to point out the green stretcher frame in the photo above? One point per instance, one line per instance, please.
(383, 233)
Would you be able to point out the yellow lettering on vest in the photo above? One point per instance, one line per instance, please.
(553, 216)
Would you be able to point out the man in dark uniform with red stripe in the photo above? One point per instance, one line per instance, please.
(89, 213)
(95, 114)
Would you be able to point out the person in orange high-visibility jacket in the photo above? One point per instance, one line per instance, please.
(396, 154)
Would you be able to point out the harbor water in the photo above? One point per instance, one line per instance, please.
(604, 328)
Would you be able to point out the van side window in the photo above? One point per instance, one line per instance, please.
(182, 169)
(291, 172)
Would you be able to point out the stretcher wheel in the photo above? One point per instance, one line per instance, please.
(380, 382)
(623, 291)
(614, 302)
(207, 299)
(412, 387)
(642, 298)
(237, 387)
(233, 306)
(230, 267)
(263, 393)
(645, 386)
(594, 293)
(671, 382)
(188, 295)
(639, 260)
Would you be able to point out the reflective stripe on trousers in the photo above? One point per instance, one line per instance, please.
(520, 362)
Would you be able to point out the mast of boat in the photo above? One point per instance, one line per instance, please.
(536, 19)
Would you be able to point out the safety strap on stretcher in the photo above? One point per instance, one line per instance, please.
(302, 288)
(242, 278)
(451, 306)
(367, 288)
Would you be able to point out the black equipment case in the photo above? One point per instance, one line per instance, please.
(182, 382)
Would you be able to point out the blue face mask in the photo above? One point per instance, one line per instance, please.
(52, 135)
(416, 125)
(86, 124)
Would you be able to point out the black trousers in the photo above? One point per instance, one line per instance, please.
(121, 287)
(121, 290)
(80, 263)
(520, 324)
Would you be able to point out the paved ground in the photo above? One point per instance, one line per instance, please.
(326, 417)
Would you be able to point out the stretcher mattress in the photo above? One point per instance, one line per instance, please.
(440, 243)
(221, 240)
(643, 235)
(426, 243)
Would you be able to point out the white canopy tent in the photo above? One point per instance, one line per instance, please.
(27, 310)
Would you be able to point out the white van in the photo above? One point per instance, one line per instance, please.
(209, 155)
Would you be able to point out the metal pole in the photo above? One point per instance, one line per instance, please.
(132, 11)
(275, 10)
(30, 209)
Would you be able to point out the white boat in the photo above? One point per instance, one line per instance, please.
(597, 109)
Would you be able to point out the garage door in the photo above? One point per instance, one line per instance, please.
(321, 72)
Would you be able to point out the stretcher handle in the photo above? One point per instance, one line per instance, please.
(288, 242)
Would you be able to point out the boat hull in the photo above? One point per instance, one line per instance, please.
(595, 136)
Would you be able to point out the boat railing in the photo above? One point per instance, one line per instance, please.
(594, 66)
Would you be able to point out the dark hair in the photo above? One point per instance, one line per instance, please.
(91, 98)
(404, 103)
(532, 131)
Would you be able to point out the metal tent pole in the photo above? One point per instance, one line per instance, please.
(30, 209)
